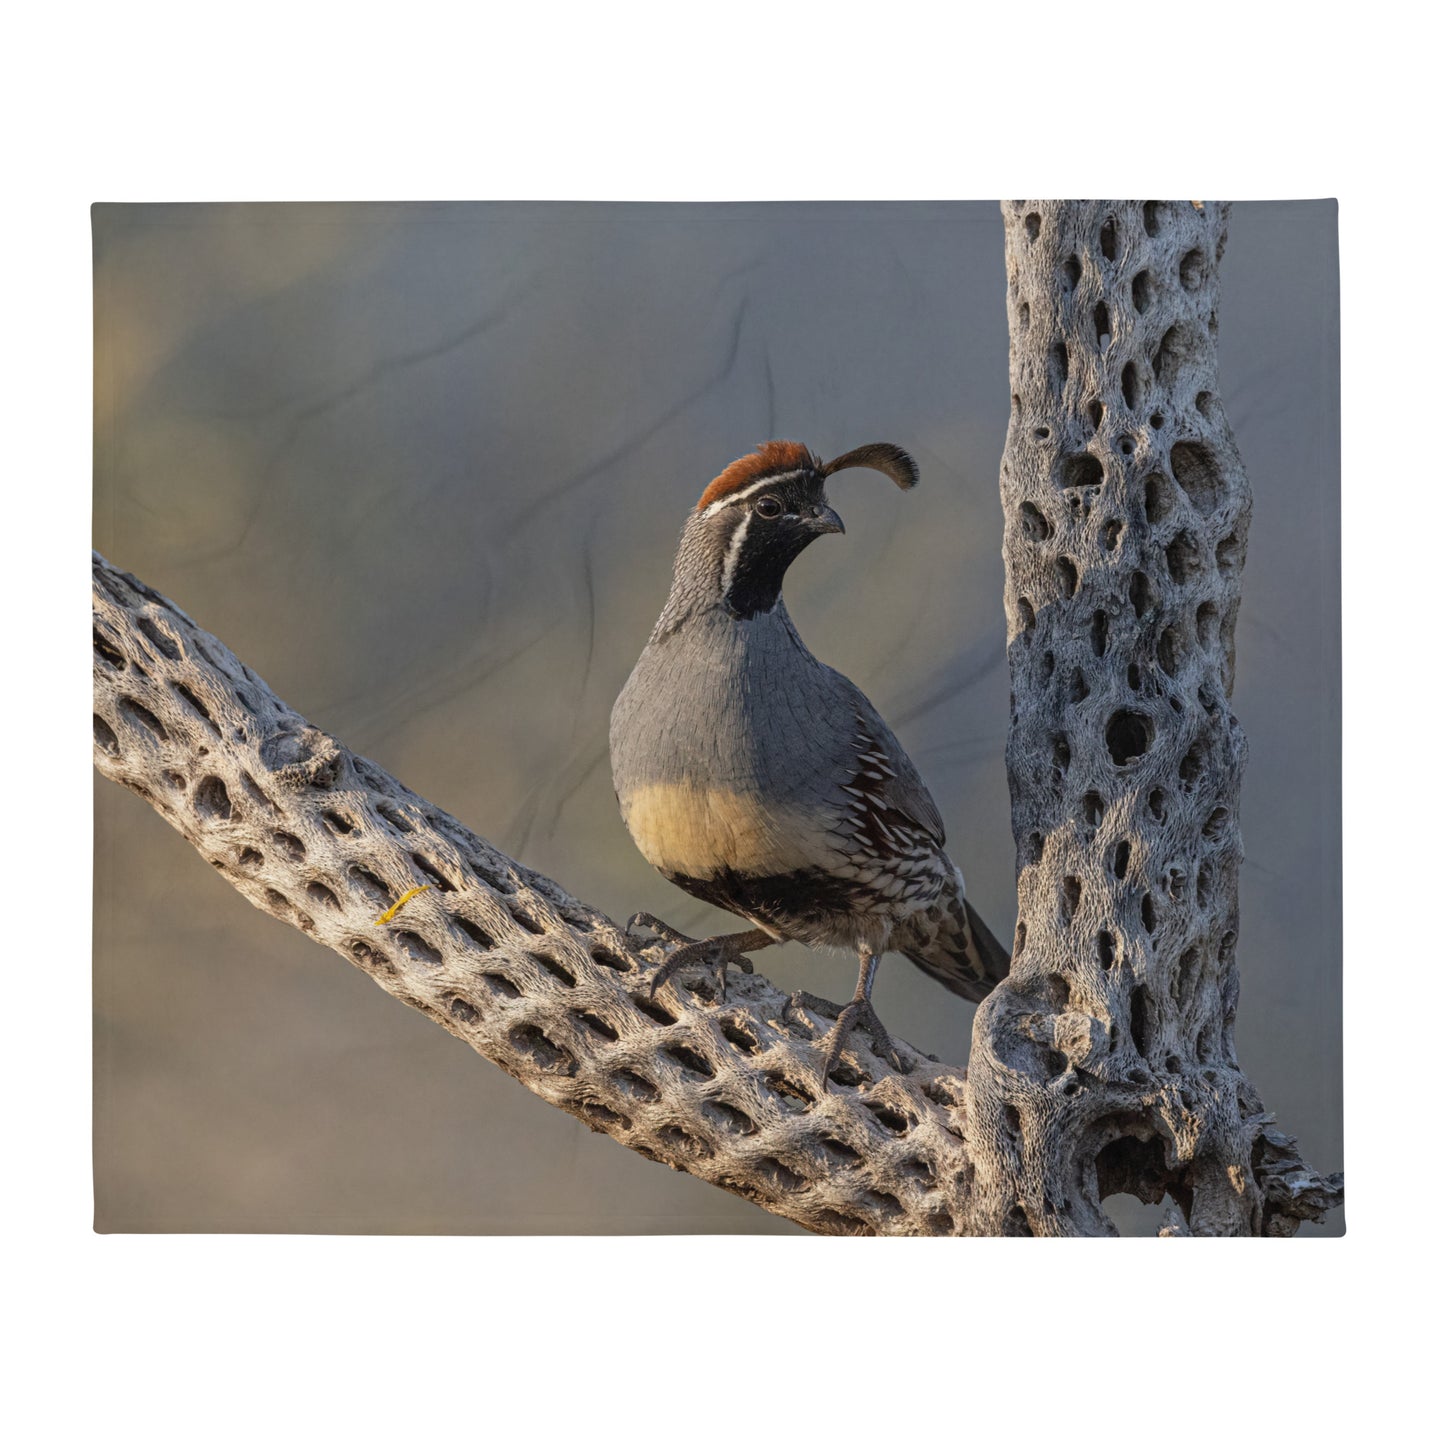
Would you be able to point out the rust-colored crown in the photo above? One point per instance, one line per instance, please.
(770, 457)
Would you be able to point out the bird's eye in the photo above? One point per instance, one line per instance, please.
(768, 507)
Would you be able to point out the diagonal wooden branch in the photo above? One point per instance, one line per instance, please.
(541, 984)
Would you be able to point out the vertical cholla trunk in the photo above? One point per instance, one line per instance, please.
(1106, 1063)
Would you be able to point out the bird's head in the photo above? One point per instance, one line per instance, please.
(757, 515)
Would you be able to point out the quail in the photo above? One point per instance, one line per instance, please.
(756, 778)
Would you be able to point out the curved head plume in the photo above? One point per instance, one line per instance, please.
(777, 459)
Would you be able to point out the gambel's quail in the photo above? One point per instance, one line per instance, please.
(758, 779)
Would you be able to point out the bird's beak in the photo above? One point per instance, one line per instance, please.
(825, 519)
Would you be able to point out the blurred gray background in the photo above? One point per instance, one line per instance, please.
(423, 468)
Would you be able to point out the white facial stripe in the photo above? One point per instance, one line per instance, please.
(730, 557)
(775, 480)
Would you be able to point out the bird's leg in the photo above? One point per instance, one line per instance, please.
(719, 951)
(859, 1013)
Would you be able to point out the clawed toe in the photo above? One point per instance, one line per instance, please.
(655, 926)
(858, 1014)
(706, 951)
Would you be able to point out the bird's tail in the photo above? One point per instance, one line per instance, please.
(952, 944)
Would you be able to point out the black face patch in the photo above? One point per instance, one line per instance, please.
(765, 531)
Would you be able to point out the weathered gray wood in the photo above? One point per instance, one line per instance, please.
(1104, 1064)
(504, 958)
(1107, 1060)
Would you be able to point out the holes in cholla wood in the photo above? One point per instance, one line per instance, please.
(1032, 850)
(1036, 526)
(557, 969)
(1129, 384)
(1152, 211)
(654, 1010)
(105, 736)
(372, 959)
(540, 1051)
(1068, 575)
(1216, 824)
(1102, 331)
(462, 1011)
(368, 885)
(1196, 469)
(1228, 553)
(526, 919)
(474, 931)
(1062, 755)
(1191, 765)
(1169, 651)
(1099, 632)
(596, 1025)
(1095, 412)
(728, 1118)
(1128, 735)
(1091, 810)
(839, 1154)
(1206, 624)
(1023, 315)
(793, 1098)
(1141, 1026)
(1069, 897)
(195, 705)
(1058, 366)
(161, 640)
(1109, 239)
(1121, 858)
(1078, 471)
(1142, 291)
(1032, 224)
(394, 818)
(1078, 686)
(142, 719)
(605, 958)
(417, 948)
(1141, 594)
(1158, 498)
(1107, 948)
(290, 845)
(108, 652)
(212, 801)
(1112, 532)
(433, 873)
(636, 1087)
(1192, 269)
(1025, 610)
(1072, 271)
(599, 1117)
(1147, 915)
(1169, 359)
(322, 896)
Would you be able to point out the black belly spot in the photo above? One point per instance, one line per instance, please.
(791, 902)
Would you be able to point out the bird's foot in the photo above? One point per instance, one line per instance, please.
(716, 953)
(857, 1013)
(654, 925)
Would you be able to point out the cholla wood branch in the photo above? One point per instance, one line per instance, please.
(1109, 1053)
(539, 983)
(1104, 1064)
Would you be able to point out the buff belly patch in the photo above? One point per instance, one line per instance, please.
(696, 831)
